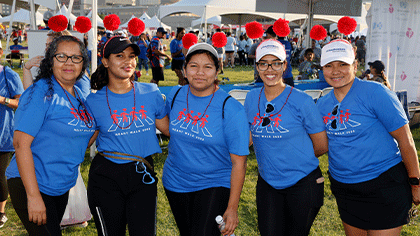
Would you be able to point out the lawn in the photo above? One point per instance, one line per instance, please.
(327, 222)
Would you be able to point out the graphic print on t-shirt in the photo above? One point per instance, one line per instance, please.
(80, 117)
(188, 121)
(271, 127)
(339, 122)
(123, 119)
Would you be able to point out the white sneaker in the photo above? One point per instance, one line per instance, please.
(3, 220)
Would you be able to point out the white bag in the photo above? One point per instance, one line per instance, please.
(77, 210)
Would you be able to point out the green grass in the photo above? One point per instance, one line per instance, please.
(327, 222)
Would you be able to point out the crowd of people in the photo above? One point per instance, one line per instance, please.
(57, 118)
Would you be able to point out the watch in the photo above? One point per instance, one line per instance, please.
(414, 181)
(6, 101)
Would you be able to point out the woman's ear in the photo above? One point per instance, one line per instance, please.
(105, 62)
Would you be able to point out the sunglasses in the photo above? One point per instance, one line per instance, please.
(147, 177)
(335, 124)
(269, 107)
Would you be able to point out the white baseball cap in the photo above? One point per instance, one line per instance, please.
(337, 50)
(271, 47)
(202, 46)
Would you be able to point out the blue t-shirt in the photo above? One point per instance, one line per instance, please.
(9, 88)
(157, 61)
(283, 148)
(84, 85)
(17, 47)
(60, 136)
(360, 146)
(140, 137)
(175, 46)
(288, 48)
(143, 49)
(200, 146)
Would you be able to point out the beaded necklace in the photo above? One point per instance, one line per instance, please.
(110, 110)
(188, 110)
(268, 117)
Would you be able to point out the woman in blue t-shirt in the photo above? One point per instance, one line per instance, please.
(52, 131)
(205, 169)
(122, 186)
(143, 44)
(288, 136)
(372, 157)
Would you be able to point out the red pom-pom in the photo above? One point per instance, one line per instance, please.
(58, 23)
(346, 25)
(111, 22)
(281, 27)
(188, 40)
(318, 32)
(83, 24)
(136, 26)
(254, 30)
(219, 39)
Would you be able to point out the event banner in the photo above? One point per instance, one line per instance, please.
(394, 38)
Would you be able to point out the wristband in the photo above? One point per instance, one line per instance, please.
(6, 101)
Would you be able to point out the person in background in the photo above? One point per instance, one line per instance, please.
(143, 44)
(122, 187)
(249, 43)
(11, 89)
(15, 53)
(377, 72)
(373, 162)
(53, 128)
(307, 69)
(288, 135)
(205, 169)
(178, 55)
(158, 56)
(47, 15)
(241, 50)
(221, 54)
(230, 50)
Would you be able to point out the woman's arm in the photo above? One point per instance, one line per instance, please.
(163, 125)
(320, 143)
(93, 138)
(25, 162)
(27, 75)
(409, 156)
(13, 102)
(236, 183)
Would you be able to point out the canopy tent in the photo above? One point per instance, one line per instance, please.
(25, 3)
(67, 13)
(215, 20)
(125, 25)
(99, 21)
(154, 23)
(23, 16)
(144, 17)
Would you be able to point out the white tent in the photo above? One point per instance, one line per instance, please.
(125, 25)
(23, 16)
(154, 22)
(65, 11)
(99, 21)
(144, 17)
(25, 3)
(215, 20)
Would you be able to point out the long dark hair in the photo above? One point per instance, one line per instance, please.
(209, 54)
(46, 66)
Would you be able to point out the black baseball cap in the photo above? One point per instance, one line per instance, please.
(162, 30)
(118, 44)
(377, 65)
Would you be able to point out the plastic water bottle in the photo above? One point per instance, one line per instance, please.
(221, 223)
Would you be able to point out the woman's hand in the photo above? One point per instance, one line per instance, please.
(34, 61)
(415, 191)
(36, 210)
(231, 221)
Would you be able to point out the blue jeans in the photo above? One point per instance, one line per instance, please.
(144, 62)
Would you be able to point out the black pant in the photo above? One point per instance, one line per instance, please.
(195, 212)
(4, 162)
(290, 211)
(56, 206)
(242, 57)
(117, 196)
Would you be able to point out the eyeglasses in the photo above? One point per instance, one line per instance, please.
(335, 124)
(61, 57)
(263, 66)
(147, 177)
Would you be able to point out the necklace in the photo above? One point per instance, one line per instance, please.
(188, 110)
(259, 98)
(86, 117)
(110, 111)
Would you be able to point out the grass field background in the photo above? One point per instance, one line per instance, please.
(327, 222)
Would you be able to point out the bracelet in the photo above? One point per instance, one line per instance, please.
(24, 66)
(6, 101)
(417, 186)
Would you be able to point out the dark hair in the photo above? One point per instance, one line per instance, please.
(46, 65)
(100, 77)
(179, 30)
(307, 51)
(209, 54)
(228, 33)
